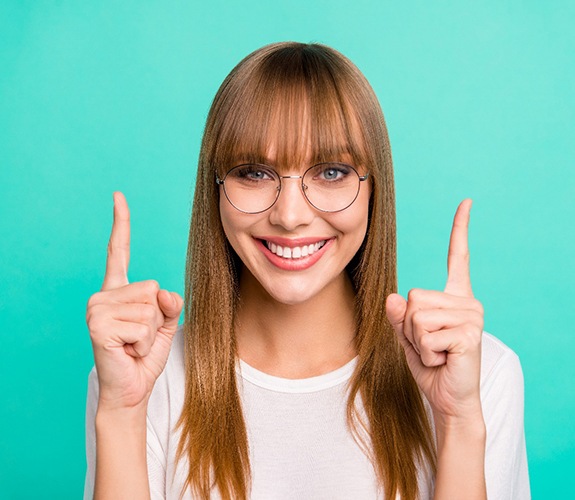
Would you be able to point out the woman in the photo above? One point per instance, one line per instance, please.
(299, 372)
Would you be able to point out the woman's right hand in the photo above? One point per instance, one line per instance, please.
(131, 324)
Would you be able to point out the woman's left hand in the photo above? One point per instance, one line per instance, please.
(441, 334)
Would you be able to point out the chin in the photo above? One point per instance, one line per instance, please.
(290, 296)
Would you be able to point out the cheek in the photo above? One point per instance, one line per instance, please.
(229, 223)
(353, 221)
(236, 225)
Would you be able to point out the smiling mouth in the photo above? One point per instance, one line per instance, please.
(294, 252)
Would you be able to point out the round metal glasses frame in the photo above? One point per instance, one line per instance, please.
(221, 182)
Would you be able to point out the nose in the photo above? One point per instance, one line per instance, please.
(291, 209)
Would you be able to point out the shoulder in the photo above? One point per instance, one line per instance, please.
(499, 363)
(501, 389)
(502, 400)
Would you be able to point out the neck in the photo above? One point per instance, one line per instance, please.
(296, 340)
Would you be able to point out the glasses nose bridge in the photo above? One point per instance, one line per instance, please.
(302, 185)
(290, 176)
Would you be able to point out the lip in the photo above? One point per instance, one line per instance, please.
(299, 264)
(292, 242)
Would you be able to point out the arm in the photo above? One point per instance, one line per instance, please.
(501, 439)
(460, 460)
(121, 470)
(155, 458)
(441, 334)
(132, 326)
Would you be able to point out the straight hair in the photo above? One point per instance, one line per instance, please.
(267, 100)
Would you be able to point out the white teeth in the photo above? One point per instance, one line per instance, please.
(294, 252)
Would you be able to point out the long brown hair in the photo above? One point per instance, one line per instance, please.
(267, 99)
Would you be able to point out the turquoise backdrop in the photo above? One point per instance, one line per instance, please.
(97, 96)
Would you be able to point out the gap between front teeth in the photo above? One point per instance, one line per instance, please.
(294, 252)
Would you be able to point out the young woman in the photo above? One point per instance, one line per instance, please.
(298, 372)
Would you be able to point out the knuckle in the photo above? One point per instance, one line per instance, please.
(425, 342)
(472, 336)
(152, 287)
(148, 312)
(414, 294)
(478, 306)
(476, 320)
(143, 331)
(480, 323)
(115, 252)
(427, 357)
(418, 317)
(94, 300)
(96, 324)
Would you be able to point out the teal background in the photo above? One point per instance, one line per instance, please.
(97, 96)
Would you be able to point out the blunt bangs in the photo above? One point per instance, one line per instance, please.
(290, 108)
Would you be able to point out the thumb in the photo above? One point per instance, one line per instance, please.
(171, 305)
(395, 308)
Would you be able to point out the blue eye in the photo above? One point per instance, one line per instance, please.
(256, 175)
(251, 172)
(330, 172)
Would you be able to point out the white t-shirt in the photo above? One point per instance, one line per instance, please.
(299, 442)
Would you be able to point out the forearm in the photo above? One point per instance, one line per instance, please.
(460, 461)
(121, 468)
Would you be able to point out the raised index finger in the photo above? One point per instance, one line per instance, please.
(119, 246)
(458, 280)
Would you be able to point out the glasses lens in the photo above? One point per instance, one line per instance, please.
(251, 188)
(331, 187)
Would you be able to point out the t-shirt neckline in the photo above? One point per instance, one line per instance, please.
(302, 385)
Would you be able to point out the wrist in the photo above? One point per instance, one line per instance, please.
(121, 464)
(460, 432)
(125, 418)
(110, 402)
(460, 458)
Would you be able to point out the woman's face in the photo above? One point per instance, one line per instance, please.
(316, 246)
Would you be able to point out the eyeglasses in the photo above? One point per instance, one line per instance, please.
(253, 188)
